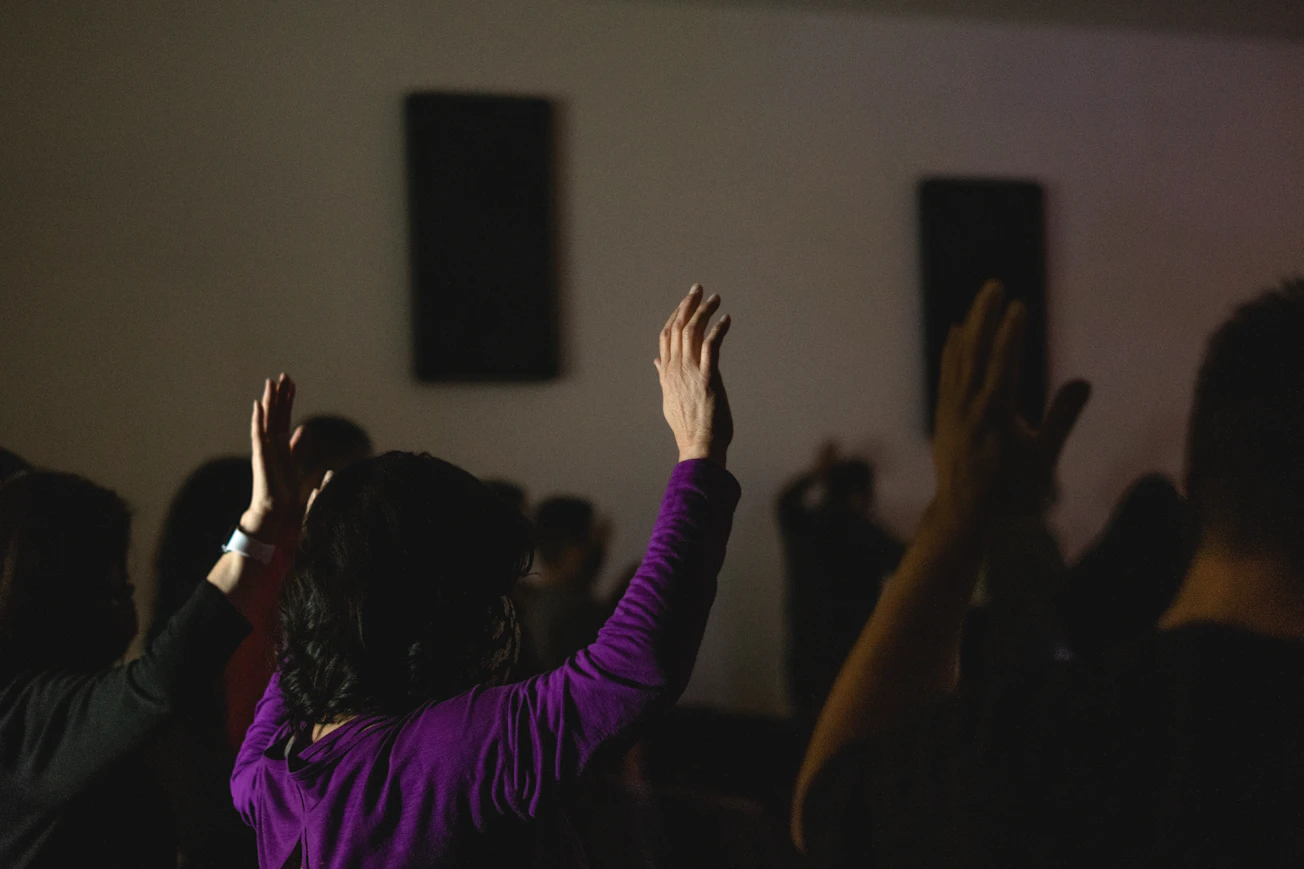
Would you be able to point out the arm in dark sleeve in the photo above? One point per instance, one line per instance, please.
(67, 729)
(542, 733)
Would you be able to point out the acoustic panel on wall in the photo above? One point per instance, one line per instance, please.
(484, 264)
(973, 230)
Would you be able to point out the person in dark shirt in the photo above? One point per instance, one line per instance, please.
(74, 729)
(836, 557)
(192, 758)
(559, 613)
(1129, 576)
(1184, 747)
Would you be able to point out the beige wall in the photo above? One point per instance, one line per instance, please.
(192, 197)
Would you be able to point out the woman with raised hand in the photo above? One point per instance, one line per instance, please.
(388, 737)
(72, 725)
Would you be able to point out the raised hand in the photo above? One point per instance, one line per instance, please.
(275, 504)
(692, 393)
(987, 458)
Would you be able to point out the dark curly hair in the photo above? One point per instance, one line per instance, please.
(1245, 448)
(398, 594)
(64, 599)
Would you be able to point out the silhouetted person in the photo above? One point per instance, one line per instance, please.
(837, 557)
(194, 758)
(1129, 576)
(1183, 748)
(329, 443)
(75, 782)
(559, 613)
(322, 444)
(11, 464)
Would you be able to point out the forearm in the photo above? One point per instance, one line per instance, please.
(907, 657)
(236, 575)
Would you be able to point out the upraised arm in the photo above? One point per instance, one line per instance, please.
(274, 511)
(987, 462)
(76, 726)
(541, 734)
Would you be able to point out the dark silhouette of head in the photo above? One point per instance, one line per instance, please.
(850, 487)
(329, 443)
(1245, 448)
(199, 520)
(1130, 575)
(65, 602)
(398, 593)
(11, 464)
(571, 541)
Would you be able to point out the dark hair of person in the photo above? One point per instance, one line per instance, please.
(63, 554)
(199, 520)
(1245, 449)
(512, 493)
(561, 522)
(330, 443)
(398, 593)
(10, 464)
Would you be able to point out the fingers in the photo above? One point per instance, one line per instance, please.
(312, 496)
(269, 397)
(687, 308)
(710, 353)
(282, 402)
(979, 332)
(949, 373)
(670, 333)
(1061, 416)
(1002, 382)
(696, 328)
(296, 437)
(256, 431)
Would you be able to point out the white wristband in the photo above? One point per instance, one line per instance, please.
(242, 544)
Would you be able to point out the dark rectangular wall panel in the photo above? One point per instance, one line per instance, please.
(482, 202)
(972, 230)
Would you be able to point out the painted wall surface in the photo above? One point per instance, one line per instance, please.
(193, 197)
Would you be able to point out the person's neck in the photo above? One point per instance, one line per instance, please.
(1257, 592)
(320, 730)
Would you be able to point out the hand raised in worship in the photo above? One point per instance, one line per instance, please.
(988, 460)
(692, 391)
(276, 502)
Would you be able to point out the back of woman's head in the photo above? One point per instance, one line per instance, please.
(200, 518)
(398, 592)
(64, 597)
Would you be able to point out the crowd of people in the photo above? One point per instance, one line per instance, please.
(365, 660)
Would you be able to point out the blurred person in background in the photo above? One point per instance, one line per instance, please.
(559, 611)
(837, 556)
(75, 729)
(1130, 575)
(193, 758)
(1184, 747)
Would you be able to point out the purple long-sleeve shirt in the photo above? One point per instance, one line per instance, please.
(458, 782)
